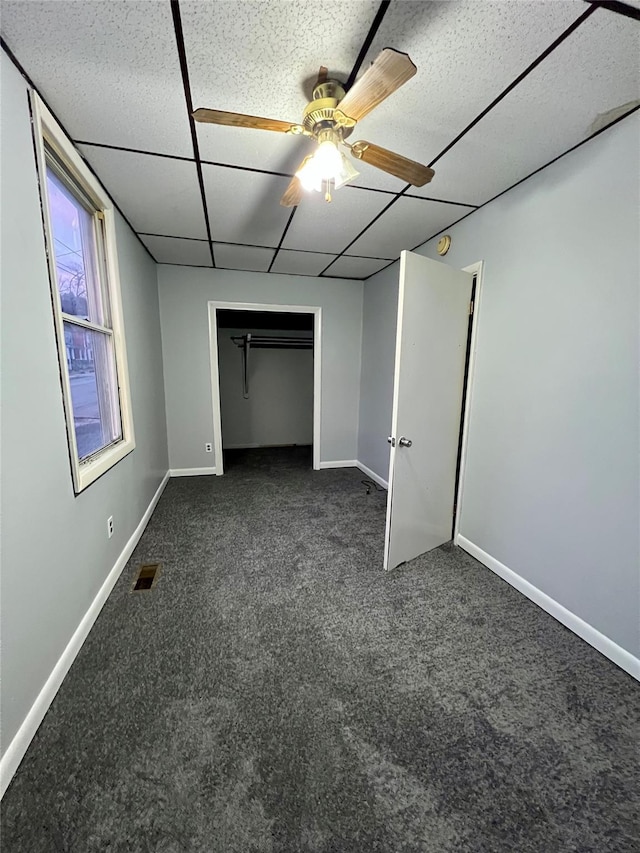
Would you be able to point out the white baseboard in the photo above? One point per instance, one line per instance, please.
(17, 748)
(340, 463)
(255, 446)
(375, 477)
(241, 446)
(191, 472)
(624, 659)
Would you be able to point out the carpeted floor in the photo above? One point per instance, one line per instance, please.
(277, 691)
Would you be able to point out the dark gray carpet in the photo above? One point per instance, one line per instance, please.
(276, 691)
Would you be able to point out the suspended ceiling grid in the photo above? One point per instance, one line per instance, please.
(502, 89)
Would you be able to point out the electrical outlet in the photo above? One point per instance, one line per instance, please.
(110, 526)
(208, 447)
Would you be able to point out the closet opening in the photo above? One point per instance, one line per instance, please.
(265, 385)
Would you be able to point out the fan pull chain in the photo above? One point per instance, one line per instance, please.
(327, 194)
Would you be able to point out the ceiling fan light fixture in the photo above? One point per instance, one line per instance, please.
(309, 175)
(347, 173)
(328, 165)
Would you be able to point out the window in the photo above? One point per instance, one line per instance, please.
(83, 271)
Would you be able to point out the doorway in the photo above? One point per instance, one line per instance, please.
(476, 271)
(265, 379)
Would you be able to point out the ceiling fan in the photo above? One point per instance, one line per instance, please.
(329, 118)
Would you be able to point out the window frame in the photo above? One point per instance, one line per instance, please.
(48, 132)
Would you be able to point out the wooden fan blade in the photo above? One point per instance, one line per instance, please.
(239, 120)
(390, 70)
(403, 168)
(294, 192)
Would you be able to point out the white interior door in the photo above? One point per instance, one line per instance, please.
(433, 322)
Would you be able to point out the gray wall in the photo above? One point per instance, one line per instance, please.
(279, 409)
(184, 294)
(552, 482)
(55, 550)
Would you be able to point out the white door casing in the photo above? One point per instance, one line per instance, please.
(215, 306)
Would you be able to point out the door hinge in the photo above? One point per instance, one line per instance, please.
(100, 215)
(471, 308)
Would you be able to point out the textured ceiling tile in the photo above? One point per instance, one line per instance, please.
(258, 58)
(109, 70)
(329, 227)
(593, 71)
(407, 223)
(158, 195)
(244, 207)
(239, 146)
(348, 267)
(301, 263)
(466, 54)
(175, 250)
(242, 257)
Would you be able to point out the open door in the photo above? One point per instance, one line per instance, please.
(433, 322)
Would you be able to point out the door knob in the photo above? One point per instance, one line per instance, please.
(405, 442)
(391, 441)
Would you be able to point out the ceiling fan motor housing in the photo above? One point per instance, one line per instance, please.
(318, 114)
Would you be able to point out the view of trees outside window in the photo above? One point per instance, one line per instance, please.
(89, 351)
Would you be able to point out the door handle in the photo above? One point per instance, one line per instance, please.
(391, 441)
(404, 442)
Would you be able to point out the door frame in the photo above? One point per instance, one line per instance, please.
(477, 270)
(214, 306)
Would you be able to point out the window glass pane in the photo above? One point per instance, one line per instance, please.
(94, 389)
(74, 250)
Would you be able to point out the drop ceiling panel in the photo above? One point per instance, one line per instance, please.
(260, 58)
(176, 250)
(407, 223)
(244, 207)
(158, 195)
(348, 267)
(301, 263)
(466, 54)
(242, 257)
(239, 146)
(592, 72)
(110, 71)
(330, 227)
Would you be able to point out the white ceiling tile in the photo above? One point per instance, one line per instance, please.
(109, 70)
(258, 58)
(157, 194)
(259, 149)
(552, 109)
(244, 207)
(177, 250)
(407, 223)
(242, 257)
(349, 267)
(466, 53)
(301, 263)
(330, 227)
(373, 178)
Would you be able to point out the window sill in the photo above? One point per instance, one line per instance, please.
(86, 473)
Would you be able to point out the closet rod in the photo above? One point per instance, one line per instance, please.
(246, 342)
